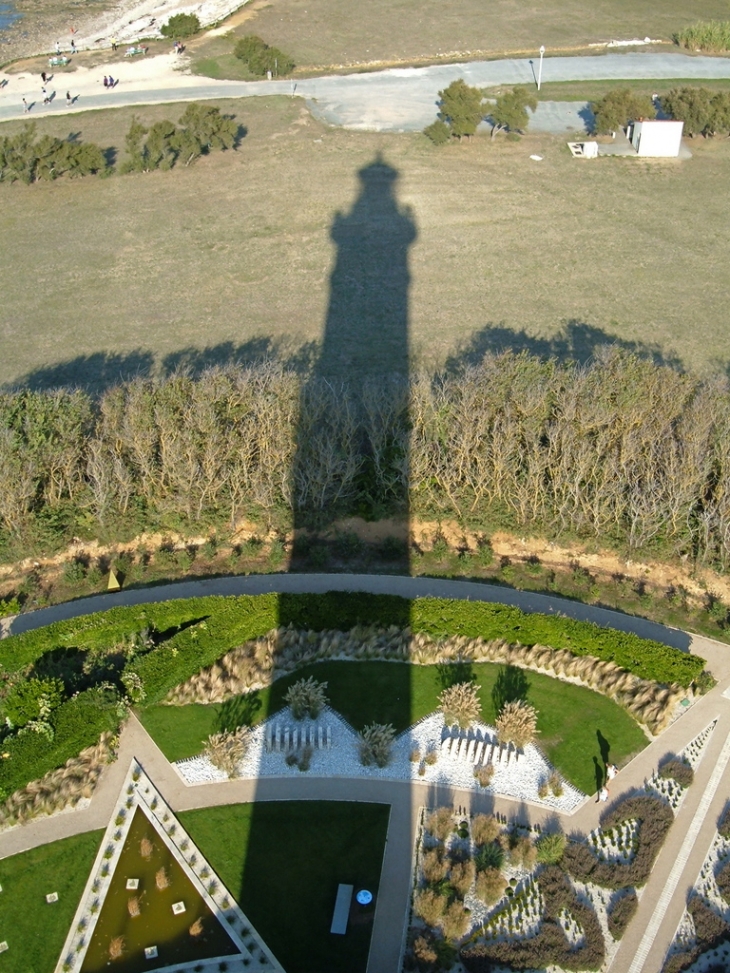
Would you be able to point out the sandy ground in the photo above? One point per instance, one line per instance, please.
(128, 21)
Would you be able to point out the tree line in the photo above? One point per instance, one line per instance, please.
(29, 158)
(632, 453)
(703, 112)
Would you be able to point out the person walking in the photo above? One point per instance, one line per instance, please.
(73, 46)
(106, 81)
(114, 43)
(26, 106)
(43, 77)
(69, 99)
(58, 47)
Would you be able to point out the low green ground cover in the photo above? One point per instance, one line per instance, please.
(34, 929)
(283, 863)
(571, 718)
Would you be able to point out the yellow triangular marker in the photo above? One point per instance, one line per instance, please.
(114, 583)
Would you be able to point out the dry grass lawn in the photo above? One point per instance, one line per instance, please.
(333, 32)
(232, 257)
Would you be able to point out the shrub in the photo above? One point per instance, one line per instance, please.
(181, 26)
(555, 784)
(484, 774)
(454, 921)
(619, 107)
(678, 770)
(523, 853)
(489, 856)
(517, 723)
(438, 132)
(32, 699)
(262, 58)
(226, 750)
(621, 913)
(375, 743)
(490, 885)
(460, 704)
(462, 876)
(707, 35)
(723, 825)
(550, 848)
(429, 906)
(484, 828)
(434, 865)
(440, 823)
(307, 697)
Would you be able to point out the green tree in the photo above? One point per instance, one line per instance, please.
(439, 132)
(619, 107)
(180, 26)
(510, 110)
(17, 155)
(697, 108)
(133, 142)
(261, 58)
(248, 46)
(161, 149)
(461, 108)
(209, 128)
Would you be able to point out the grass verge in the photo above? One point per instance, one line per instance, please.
(35, 930)
(570, 717)
(284, 861)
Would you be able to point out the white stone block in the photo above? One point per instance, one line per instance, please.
(286, 739)
(329, 737)
(150, 952)
(471, 751)
(278, 738)
(320, 738)
(52, 897)
(178, 908)
(132, 884)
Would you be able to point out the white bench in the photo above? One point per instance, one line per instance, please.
(342, 909)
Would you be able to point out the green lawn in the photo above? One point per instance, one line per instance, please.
(284, 861)
(34, 930)
(570, 717)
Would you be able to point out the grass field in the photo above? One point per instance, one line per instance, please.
(283, 863)
(384, 692)
(325, 32)
(35, 930)
(232, 257)
(593, 90)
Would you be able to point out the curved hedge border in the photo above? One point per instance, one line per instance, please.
(233, 620)
(194, 633)
(655, 819)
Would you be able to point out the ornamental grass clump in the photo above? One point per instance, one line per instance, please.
(307, 697)
(376, 741)
(226, 750)
(460, 704)
(429, 906)
(440, 823)
(485, 828)
(550, 848)
(490, 886)
(517, 723)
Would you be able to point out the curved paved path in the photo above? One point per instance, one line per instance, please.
(676, 869)
(398, 99)
(380, 584)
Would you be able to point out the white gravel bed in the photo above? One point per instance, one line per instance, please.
(517, 778)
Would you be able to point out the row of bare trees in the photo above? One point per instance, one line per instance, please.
(622, 449)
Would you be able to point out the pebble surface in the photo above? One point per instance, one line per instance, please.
(518, 779)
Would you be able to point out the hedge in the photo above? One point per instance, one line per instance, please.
(231, 620)
(78, 723)
(621, 913)
(655, 819)
(550, 946)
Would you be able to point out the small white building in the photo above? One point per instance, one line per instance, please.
(656, 138)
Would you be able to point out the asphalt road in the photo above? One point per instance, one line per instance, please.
(397, 100)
